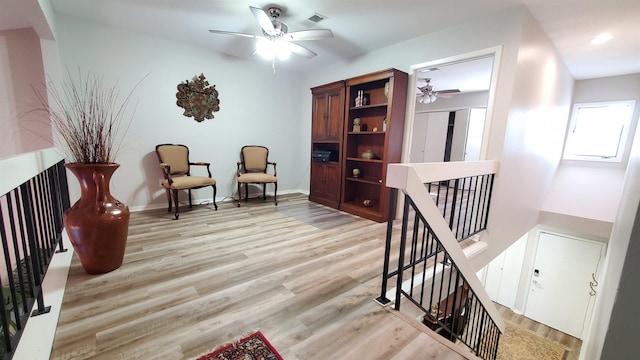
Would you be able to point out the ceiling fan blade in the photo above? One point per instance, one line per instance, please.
(315, 34)
(234, 33)
(450, 91)
(263, 20)
(301, 50)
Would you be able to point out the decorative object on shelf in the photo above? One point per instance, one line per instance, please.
(386, 89)
(375, 129)
(198, 99)
(384, 123)
(356, 125)
(89, 117)
(367, 203)
(356, 173)
(369, 155)
(362, 98)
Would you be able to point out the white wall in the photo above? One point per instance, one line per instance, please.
(616, 88)
(587, 189)
(533, 138)
(256, 107)
(587, 192)
(21, 72)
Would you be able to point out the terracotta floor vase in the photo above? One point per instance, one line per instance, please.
(97, 224)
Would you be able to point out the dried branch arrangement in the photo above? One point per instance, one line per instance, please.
(89, 117)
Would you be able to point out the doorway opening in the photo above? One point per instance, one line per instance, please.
(451, 123)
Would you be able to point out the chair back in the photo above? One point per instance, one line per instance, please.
(176, 155)
(255, 158)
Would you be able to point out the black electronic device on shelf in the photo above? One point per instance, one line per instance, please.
(324, 155)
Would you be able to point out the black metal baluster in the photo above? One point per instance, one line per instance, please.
(403, 244)
(382, 299)
(16, 251)
(35, 254)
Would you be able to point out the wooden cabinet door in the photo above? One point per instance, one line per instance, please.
(327, 114)
(317, 188)
(335, 110)
(332, 182)
(325, 183)
(319, 117)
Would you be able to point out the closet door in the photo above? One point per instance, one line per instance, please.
(503, 274)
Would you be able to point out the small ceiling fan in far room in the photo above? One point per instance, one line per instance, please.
(275, 41)
(429, 94)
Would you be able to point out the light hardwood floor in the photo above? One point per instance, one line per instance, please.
(303, 274)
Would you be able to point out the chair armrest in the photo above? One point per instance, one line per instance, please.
(238, 164)
(202, 163)
(275, 172)
(166, 169)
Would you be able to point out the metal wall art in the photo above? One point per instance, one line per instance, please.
(198, 99)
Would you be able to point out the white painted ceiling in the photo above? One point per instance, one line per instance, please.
(360, 26)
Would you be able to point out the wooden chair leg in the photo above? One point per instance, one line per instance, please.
(175, 200)
(246, 192)
(275, 193)
(264, 191)
(190, 205)
(168, 198)
(215, 190)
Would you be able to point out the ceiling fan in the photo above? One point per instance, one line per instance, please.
(275, 41)
(429, 94)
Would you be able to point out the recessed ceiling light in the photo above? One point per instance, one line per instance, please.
(601, 38)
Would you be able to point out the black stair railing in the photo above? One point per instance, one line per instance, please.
(31, 228)
(464, 203)
(453, 300)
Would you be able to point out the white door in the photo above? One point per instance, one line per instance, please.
(459, 138)
(436, 137)
(503, 274)
(559, 293)
(475, 132)
(419, 133)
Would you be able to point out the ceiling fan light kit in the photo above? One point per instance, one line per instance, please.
(427, 98)
(428, 94)
(269, 49)
(276, 41)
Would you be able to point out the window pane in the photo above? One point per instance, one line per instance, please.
(598, 131)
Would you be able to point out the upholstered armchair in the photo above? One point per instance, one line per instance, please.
(252, 169)
(176, 168)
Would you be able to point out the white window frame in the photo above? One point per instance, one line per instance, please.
(625, 120)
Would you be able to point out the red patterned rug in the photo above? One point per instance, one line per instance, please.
(254, 347)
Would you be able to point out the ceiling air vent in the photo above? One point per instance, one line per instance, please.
(316, 18)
